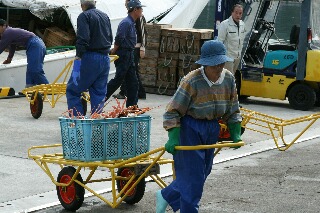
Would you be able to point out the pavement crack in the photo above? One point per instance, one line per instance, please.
(13, 156)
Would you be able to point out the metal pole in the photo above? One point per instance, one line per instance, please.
(303, 40)
(8, 13)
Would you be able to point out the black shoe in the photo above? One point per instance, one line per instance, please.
(119, 96)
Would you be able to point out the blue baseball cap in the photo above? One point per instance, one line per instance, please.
(134, 4)
(213, 53)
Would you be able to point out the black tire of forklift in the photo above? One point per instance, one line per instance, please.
(302, 97)
(317, 103)
(70, 197)
(37, 106)
(136, 194)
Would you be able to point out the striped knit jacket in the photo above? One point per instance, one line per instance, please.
(196, 98)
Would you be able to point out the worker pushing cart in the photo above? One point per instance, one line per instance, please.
(120, 146)
(204, 95)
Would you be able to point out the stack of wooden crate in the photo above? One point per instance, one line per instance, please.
(172, 58)
(148, 65)
(191, 41)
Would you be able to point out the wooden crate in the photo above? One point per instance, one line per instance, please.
(148, 80)
(154, 35)
(151, 53)
(148, 70)
(164, 62)
(54, 36)
(167, 77)
(186, 66)
(157, 90)
(154, 30)
(190, 46)
(148, 62)
(170, 40)
(197, 34)
(169, 56)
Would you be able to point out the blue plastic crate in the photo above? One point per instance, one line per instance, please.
(105, 139)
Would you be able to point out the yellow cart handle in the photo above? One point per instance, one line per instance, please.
(113, 57)
(213, 146)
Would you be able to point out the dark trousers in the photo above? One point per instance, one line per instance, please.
(141, 91)
(192, 167)
(36, 50)
(94, 74)
(125, 71)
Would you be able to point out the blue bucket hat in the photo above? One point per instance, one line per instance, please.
(134, 4)
(213, 53)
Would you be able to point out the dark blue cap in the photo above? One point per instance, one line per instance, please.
(134, 4)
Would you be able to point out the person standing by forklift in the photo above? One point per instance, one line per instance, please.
(35, 50)
(191, 118)
(232, 33)
(124, 46)
(92, 63)
(139, 52)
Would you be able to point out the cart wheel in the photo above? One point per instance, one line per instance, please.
(84, 105)
(70, 197)
(37, 106)
(136, 194)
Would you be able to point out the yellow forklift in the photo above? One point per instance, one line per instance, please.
(280, 71)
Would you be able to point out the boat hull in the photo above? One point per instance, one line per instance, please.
(14, 75)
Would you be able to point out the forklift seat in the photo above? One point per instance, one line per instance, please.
(294, 40)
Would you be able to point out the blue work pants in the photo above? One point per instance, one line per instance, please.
(94, 72)
(35, 50)
(191, 167)
(125, 71)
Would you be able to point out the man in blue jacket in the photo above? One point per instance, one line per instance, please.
(92, 63)
(35, 50)
(124, 46)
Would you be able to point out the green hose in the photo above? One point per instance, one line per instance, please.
(57, 49)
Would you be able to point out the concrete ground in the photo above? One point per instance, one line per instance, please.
(254, 178)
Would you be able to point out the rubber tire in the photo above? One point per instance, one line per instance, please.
(139, 190)
(37, 106)
(74, 189)
(302, 97)
(317, 103)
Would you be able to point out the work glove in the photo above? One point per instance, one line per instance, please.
(7, 61)
(76, 71)
(235, 132)
(173, 141)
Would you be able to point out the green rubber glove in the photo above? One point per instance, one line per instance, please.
(173, 141)
(235, 132)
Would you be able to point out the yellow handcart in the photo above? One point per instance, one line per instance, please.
(127, 176)
(118, 145)
(275, 127)
(38, 94)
